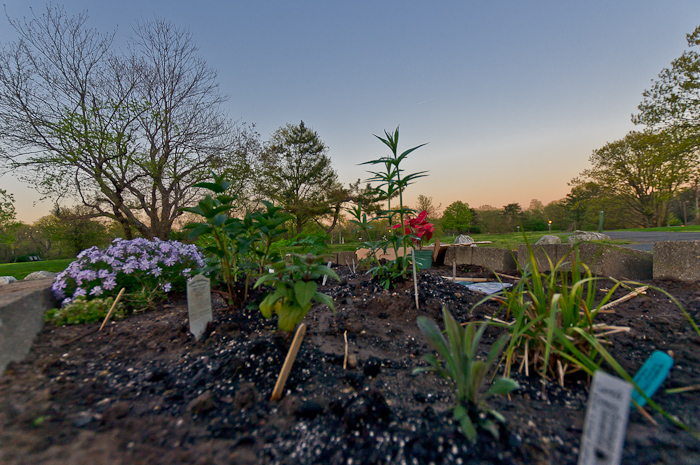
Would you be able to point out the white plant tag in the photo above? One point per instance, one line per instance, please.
(325, 276)
(606, 421)
(199, 305)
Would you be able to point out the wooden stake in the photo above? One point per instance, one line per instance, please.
(507, 276)
(114, 305)
(454, 270)
(415, 278)
(345, 360)
(288, 362)
(606, 308)
(467, 280)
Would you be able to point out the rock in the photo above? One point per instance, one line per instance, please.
(310, 409)
(366, 409)
(372, 367)
(7, 280)
(583, 236)
(203, 403)
(246, 396)
(547, 239)
(39, 275)
(114, 412)
(462, 239)
(352, 361)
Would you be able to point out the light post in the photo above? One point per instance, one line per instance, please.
(549, 223)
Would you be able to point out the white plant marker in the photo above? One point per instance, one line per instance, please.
(199, 305)
(325, 276)
(606, 421)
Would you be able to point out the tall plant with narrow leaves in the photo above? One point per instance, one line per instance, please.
(392, 183)
(460, 366)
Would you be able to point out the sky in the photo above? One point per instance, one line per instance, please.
(511, 97)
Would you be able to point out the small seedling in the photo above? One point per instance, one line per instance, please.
(460, 366)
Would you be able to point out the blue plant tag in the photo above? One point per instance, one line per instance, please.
(652, 374)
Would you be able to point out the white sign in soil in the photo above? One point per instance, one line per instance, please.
(199, 304)
(606, 421)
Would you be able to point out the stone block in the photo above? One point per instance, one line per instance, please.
(543, 255)
(22, 308)
(602, 259)
(346, 258)
(460, 255)
(677, 260)
(491, 258)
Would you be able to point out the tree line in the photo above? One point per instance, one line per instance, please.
(122, 135)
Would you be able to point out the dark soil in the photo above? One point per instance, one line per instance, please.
(143, 391)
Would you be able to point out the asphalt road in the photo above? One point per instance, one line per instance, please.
(646, 239)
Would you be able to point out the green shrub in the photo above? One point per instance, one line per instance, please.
(81, 311)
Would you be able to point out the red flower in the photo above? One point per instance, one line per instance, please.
(419, 227)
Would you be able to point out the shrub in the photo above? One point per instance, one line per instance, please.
(146, 269)
(82, 311)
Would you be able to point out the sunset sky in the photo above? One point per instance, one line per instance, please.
(511, 96)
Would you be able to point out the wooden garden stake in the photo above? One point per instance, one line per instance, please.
(454, 270)
(114, 305)
(345, 360)
(606, 308)
(288, 362)
(467, 280)
(415, 278)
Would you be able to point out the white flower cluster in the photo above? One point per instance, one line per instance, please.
(137, 262)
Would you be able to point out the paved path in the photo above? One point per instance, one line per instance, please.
(646, 239)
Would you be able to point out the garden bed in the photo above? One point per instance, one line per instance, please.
(143, 391)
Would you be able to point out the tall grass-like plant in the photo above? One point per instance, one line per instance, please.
(550, 313)
(467, 374)
(392, 183)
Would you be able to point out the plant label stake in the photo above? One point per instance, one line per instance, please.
(288, 362)
(199, 305)
(415, 278)
(454, 270)
(114, 305)
(325, 277)
(606, 420)
(652, 374)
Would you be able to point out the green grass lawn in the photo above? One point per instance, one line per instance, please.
(20, 270)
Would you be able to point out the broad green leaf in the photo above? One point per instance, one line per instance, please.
(502, 386)
(324, 299)
(304, 291)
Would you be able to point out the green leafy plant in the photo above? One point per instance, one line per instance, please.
(218, 226)
(242, 247)
(295, 289)
(550, 313)
(81, 311)
(460, 366)
(392, 182)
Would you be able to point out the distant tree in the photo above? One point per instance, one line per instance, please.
(674, 99)
(7, 217)
(426, 203)
(127, 135)
(295, 172)
(457, 216)
(513, 211)
(645, 169)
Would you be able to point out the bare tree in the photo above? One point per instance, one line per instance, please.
(127, 136)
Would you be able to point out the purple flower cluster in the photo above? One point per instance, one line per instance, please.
(133, 264)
